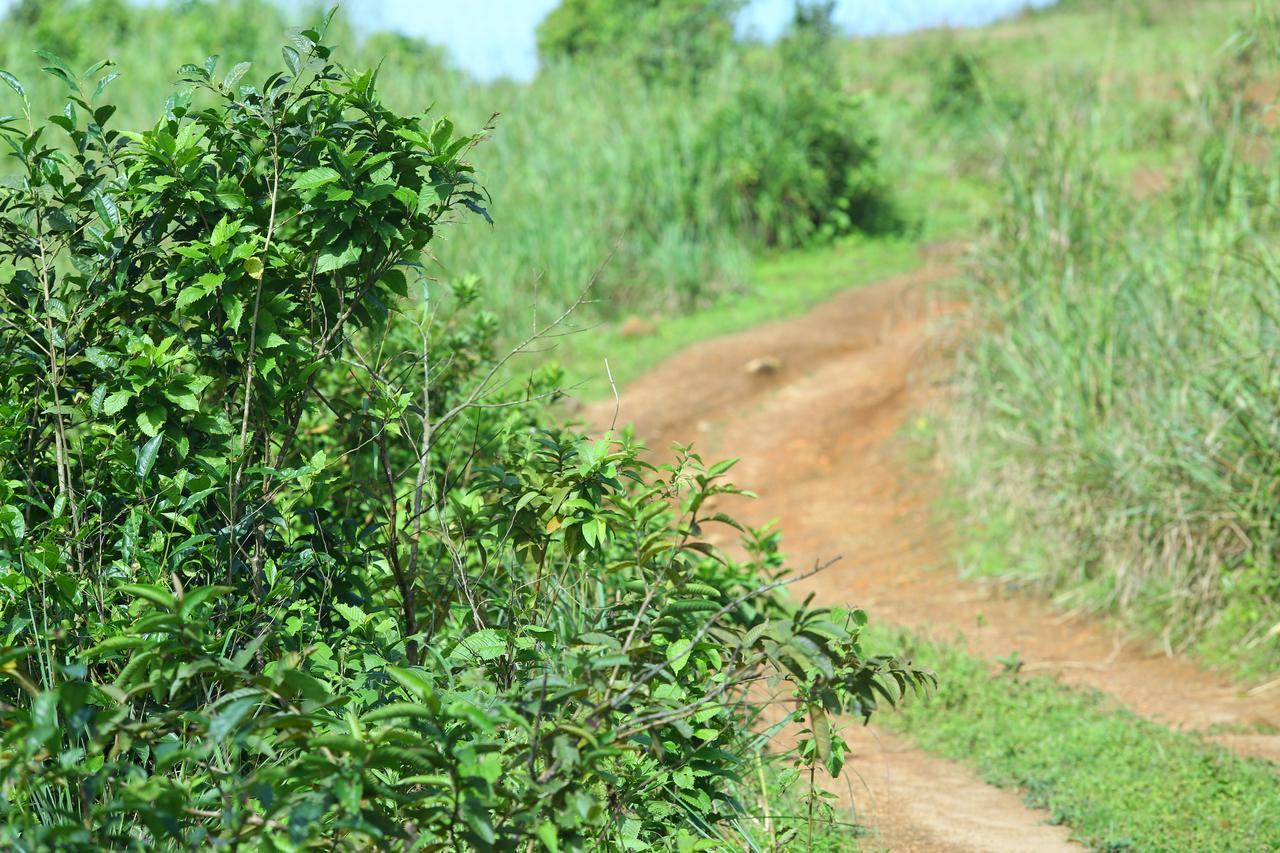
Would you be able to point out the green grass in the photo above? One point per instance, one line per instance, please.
(783, 284)
(1121, 412)
(1118, 781)
(1115, 436)
(677, 185)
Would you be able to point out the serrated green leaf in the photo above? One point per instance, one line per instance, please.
(183, 400)
(317, 177)
(117, 401)
(683, 777)
(224, 231)
(189, 295)
(150, 420)
(483, 645)
(329, 261)
(234, 309)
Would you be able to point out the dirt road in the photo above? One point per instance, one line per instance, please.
(814, 406)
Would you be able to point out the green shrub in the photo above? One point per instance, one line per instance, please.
(282, 564)
(674, 183)
(958, 84)
(672, 41)
(791, 154)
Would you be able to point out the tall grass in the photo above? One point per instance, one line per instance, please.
(1122, 439)
(673, 185)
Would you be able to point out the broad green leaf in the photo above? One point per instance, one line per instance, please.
(150, 592)
(101, 360)
(683, 777)
(107, 209)
(229, 718)
(398, 710)
(329, 261)
(822, 739)
(234, 309)
(13, 84)
(114, 644)
(233, 76)
(191, 293)
(116, 402)
(412, 680)
(291, 58)
(150, 420)
(678, 654)
(54, 60)
(224, 231)
(549, 836)
(99, 89)
(317, 177)
(198, 596)
(184, 400)
(12, 523)
(146, 456)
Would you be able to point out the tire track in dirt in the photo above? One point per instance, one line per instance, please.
(815, 420)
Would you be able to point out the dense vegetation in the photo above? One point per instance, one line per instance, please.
(674, 40)
(674, 184)
(283, 565)
(292, 552)
(1122, 444)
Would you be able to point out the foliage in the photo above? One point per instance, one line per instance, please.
(1125, 399)
(283, 563)
(674, 183)
(957, 88)
(673, 41)
(796, 158)
(1119, 781)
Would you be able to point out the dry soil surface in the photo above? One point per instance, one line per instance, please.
(814, 406)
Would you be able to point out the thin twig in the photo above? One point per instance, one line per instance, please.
(617, 401)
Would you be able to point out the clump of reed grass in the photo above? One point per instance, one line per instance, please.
(1121, 440)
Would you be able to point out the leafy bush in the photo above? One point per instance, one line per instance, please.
(794, 156)
(665, 40)
(958, 84)
(674, 179)
(282, 563)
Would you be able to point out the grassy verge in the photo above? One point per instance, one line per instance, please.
(1120, 782)
(784, 284)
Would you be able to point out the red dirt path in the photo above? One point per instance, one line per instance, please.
(817, 433)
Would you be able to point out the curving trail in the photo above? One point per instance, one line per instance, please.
(813, 405)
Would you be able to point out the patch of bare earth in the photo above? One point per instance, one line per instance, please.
(817, 432)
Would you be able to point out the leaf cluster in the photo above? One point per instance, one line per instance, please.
(284, 562)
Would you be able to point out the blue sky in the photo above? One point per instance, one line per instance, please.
(496, 37)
